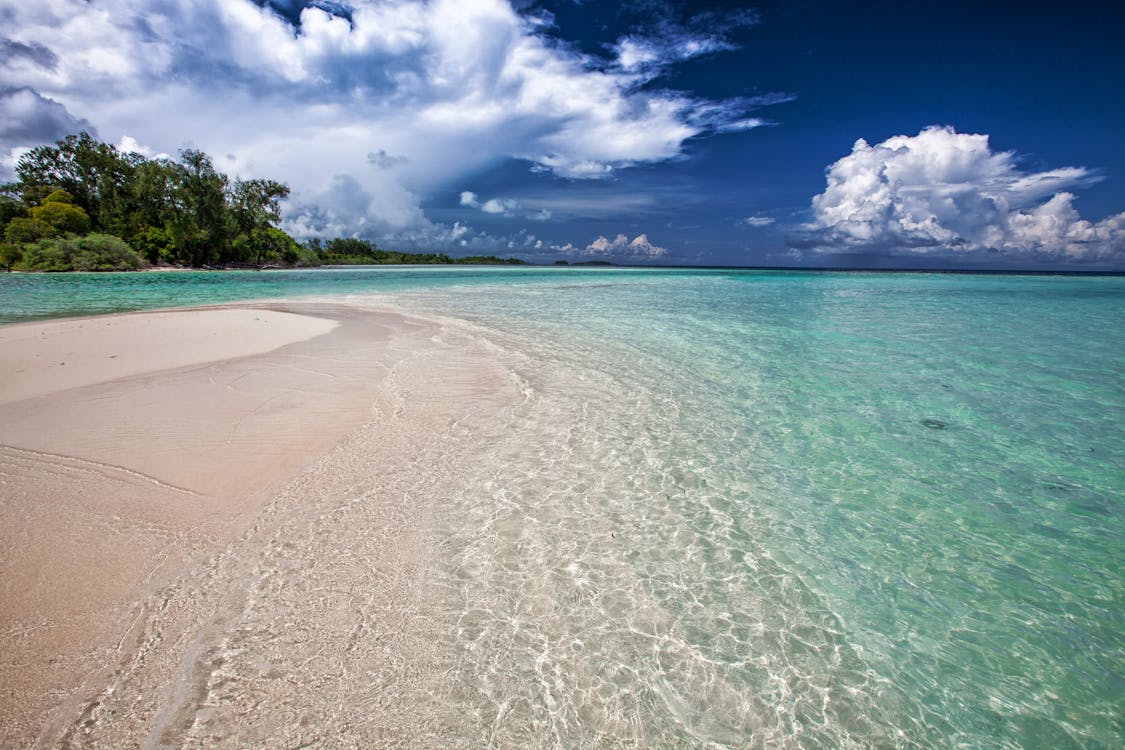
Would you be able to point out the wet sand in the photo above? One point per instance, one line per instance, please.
(215, 525)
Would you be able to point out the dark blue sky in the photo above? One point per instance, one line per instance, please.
(642, 132)
(1043, 81)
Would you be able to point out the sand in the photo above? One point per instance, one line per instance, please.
(167, 476)
(45, 358)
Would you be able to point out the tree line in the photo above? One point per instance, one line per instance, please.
(81, 204)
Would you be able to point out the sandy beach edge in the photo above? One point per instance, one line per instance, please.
(146, 456)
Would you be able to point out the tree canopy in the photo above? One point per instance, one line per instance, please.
(72, 198)
(182, 212)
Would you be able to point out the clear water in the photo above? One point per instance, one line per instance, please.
(768, 508)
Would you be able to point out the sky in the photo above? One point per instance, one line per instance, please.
(800, 133)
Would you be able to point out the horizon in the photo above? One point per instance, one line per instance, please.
(808, 135)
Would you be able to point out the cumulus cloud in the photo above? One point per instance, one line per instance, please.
(128, 144)
(947, 192)
(500, 206)
(503, 207)
(758, 221)
(404, 98)
(621, 246)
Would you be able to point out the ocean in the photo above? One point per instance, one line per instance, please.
(765, 508)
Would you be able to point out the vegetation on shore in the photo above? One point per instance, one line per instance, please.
(353, 251)
(83, 205)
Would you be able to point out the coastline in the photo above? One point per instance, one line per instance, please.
(575, 509)
(138, 489)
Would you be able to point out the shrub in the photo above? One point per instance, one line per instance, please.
(47, 255)
(104, 252)
(94, 252)
(21, 230)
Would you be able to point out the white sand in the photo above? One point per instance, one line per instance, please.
(42, 358)
(132, 486)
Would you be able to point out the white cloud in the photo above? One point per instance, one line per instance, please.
(622, 246)
(637, 53)
(417, 89)
(947, 192)
(758, 221)
(505, 206)
(509, 207)
(129, 145)
(672, 41)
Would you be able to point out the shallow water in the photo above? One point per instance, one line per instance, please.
(766, 508)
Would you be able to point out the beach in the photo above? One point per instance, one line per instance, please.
(143, 458)
(555, 508)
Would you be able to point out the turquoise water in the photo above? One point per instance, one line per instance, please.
(769, 508)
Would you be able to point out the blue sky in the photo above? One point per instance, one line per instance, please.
(712, 133)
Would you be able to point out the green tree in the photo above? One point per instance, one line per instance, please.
(350, 246)
(94, 173)
(255, 205)
(181, 211)
(22, 230)
(200, 225)
(155, 244)
(264, 246)
(58, 211)
(11, 207)
(10, 255)
(151, 195)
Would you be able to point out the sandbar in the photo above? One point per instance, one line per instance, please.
(136, 450)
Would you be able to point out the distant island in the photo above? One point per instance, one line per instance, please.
(84, 205)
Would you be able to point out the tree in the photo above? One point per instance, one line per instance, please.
(182, 211)
(57, 211)
(10, 207)
(10, 255)
(200, 229)
(21, 230)
(155, 244)
(255, 205)
(151, 195)
(94, 173)
(351, 247)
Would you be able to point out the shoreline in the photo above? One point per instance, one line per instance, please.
(130, 476)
